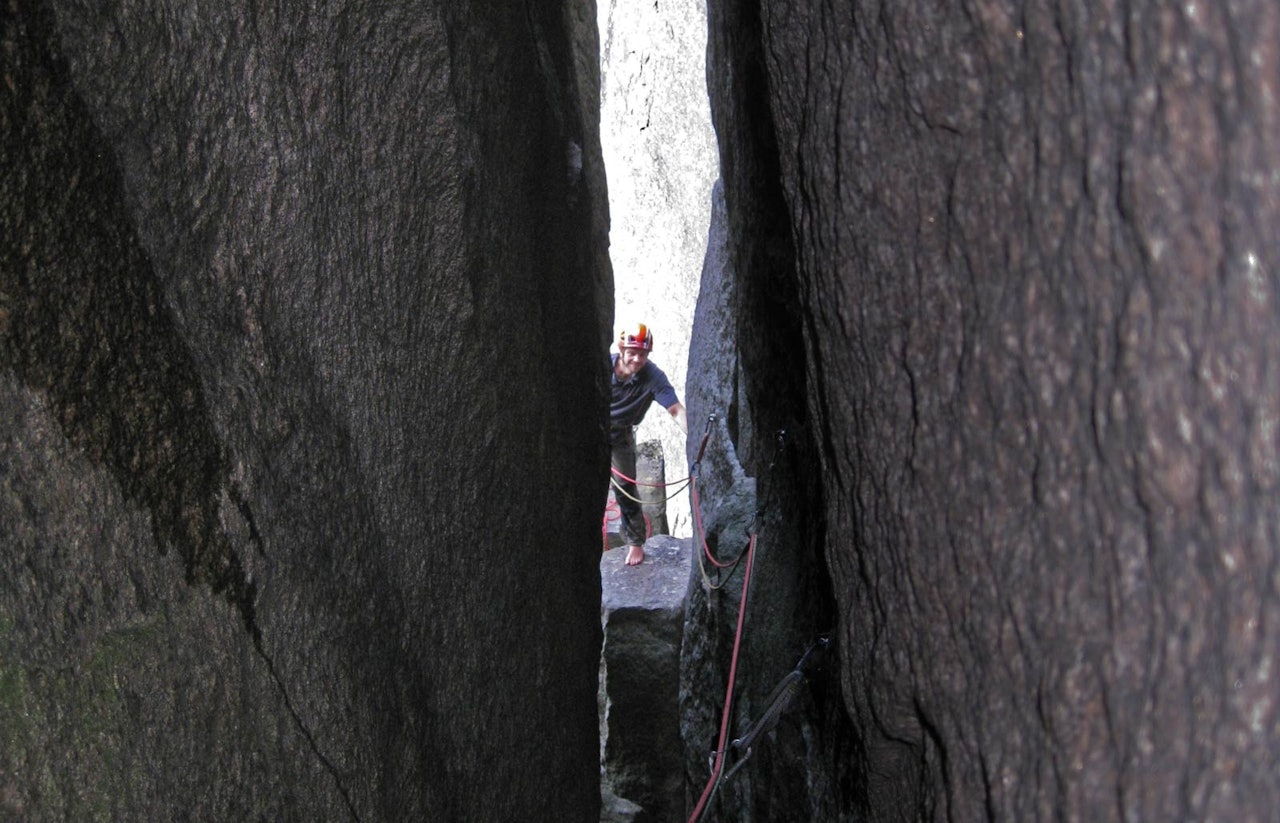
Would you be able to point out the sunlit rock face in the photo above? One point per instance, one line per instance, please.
(299, 306)
(1008, 274)
(655, 133)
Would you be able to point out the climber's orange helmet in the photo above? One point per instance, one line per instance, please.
(636, 337)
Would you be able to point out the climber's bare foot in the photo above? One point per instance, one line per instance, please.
(635, 555)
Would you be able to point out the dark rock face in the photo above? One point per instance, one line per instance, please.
(1023, 262)
(802, 769)
(263, 477)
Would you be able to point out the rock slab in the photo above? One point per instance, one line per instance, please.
(642, 613)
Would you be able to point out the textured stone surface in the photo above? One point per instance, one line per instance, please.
(263, 481)
(1004, 274)
(642, 611)
(1019, 263)
(801, 770)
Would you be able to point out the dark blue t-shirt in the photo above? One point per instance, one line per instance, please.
(629, 401)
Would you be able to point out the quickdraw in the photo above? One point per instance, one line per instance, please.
(779, 701)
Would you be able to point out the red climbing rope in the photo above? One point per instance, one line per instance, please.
(702, 534)
(717, 772)
(626, 479)
(617, 487)
(718, 769)
(612, 512)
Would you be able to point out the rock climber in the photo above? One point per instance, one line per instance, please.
(635, 384)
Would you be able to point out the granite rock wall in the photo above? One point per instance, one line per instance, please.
(297, 302)
(1008, 274)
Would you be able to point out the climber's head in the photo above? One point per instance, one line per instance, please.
(636, 336)
(634, 344)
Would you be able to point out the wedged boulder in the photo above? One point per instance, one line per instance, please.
(642, 612)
